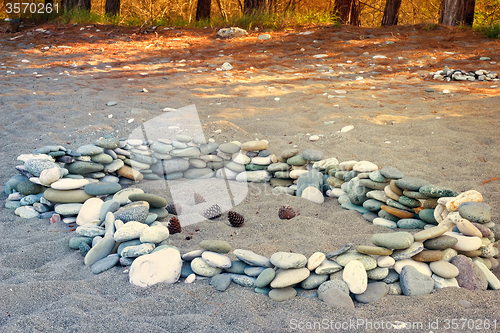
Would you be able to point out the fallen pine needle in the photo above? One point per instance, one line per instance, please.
(489, 180)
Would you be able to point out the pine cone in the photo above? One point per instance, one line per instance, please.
(235, 219)
(212, 212)
(174, 226)
(198, 198)
(286, 212)
(174, 209)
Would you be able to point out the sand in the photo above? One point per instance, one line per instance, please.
(449, 139)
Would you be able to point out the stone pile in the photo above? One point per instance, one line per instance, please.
(460, 75)
(83, 188)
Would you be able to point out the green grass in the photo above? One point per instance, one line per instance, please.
(490, 31)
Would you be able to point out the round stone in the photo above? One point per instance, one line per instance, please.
(102, 188)
(391, 172)
(313, 194)
(215, 246)
(102, 158)
(411, 183)
(385, 261)
(26, 212)
(296, 160)
(254, 145)
(136, 211)
(354, 274)
(27, 187)
(66, 196)
(373, 293)
(378, 273)
(287, 277)
(427, 215)
(220, 281)
(470, 276)
(200, 267)
(414, 283)
(280, 295)
(440, 243)
(89, 150)
(428, 256)
(478, 212)
(312, 155)
(444, 269)
(411, 224)
(288, 260)
(215, 259)
(229, 148)
(108, 143)
(437, 191)
(367, 261)
(265, 278)
(237, 267)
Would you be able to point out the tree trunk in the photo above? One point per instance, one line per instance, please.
(112, 7)
(457, 12)
(68, 5)
(347, 11)
(391, 12)
(203, 9)
(253, 6)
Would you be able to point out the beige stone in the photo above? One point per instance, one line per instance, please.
(469, 196)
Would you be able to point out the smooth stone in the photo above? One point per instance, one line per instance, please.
(440, 243)
(377, 195)
(49, 176)
(10, 186)
(264, 291)
(236, 167)
(394, 240)
(122, 196)
(364, 166)
(411, 183)
(130, 173)
(261, 176)
(69, 184)
(413, 195)
(137, 250)
(101, 188)
(373, 293)
(276, 182)
(493, 281)
(12, 204)
(437, 191)
(251, 258)
(27, 187)
(215, 246)
(288, 260)
(337, 298)
(74, 242)
(68, 209)
(295, 174)
(37, 166)
(338, 284)
(108, 206)
(199, 173)
(385, 261)
(409, 202)
(372, 185)
(108, 143)
(312, 155)
(327, 267)
(102, 158)
(354, 274)
(215, 259)
(367, 261)
(105, 264)
(478, 212)
(296, 160)
(427, 215)
(136, 211)
(237, 267)
(66, 196)
(287, 277)
(315, 260)
(350, 206)
(314, 280)
(347, 165)
(89, 150)
(163, 266)
(175, 165)
(392, 277)
(226, 173)
(357, 195)
(440, 282)
(261, 160)
(411, 224)
(470, 276)
(420, 266)
(229, 147)
(254, 145)
(313, 194)
(189, 152)
(220, 281)
(340, 251)
(280, 295)
(192, 254)
(378, 273)
(155, 201)
(385, 223)
(26, 212)
(430, 233)
(265, 278)
(402, 214)
(253, 271)
(414, 283)
(155, 234)
(287, 153)
(274, 167)
(373, 250)
(255, 167)
(123, 245)
(391, 172)
(200, 267)
(414, 249)
(465, 243)
(81, 167)
(469, 196)
(100, 250)
(376, 176)
(243, 280)
(129, 231)
(444, 269)
(468, 229)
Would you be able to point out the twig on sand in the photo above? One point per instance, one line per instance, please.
(221, 305)
(489, 180)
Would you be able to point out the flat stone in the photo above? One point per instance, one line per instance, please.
(122, 196)
(49, 176)
(68, 209)
(420, 266)
(354, 274)
(243, 280)
(215, 259)
(200, 267)
(27, 187)
(414, 283)
(377, 195)
(251, 258)
(373, 250)
(467, 228)
(338, 284)
(394, 240)
(411, 224)
(274, 167)
(440, 282)
(367, 261)
(469, 196)
(409, 202)
(328, 267)
(155, 201)
(364, 166)
(154, 234)
(254, 271)
(254, 145)
(130, 173)
(261, 176)
(280, 295)
(437, 191)
(403, 214)
(102, 188)
(296, 160)
(175, 165)
(465, 243)
(378, 273)
(137, 250)
(265, 278)
(66, 196)
(428, 256)
(376, 176)
(69, 184)
(350, 206)
(26, 212)
(287, 277)
(89, 212)
(440, 243)
(36, 166)
(81, 167)
(444, 269)
(163, 266)
(136, 211)
(427, 215)
(337, 299)
(288, 260)
(216, 246)
(493, 281)
(373, 293)
(340, 251)
(220, 281)
(102, 158)
(411, 183)
(202, 173)
(391, 172)
(430, 233)
(100, 250)
(392, 277)
(372, 185)
(414, 249)
(314, 280)
(470, 276)
(478, 212)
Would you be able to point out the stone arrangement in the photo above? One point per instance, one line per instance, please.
(460, 75)
(83, 188)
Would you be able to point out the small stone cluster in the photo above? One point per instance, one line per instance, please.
(460, 75)
(115, 225)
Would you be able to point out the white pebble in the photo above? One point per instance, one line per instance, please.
(190, 279)
(313, 138)
(346, 128)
